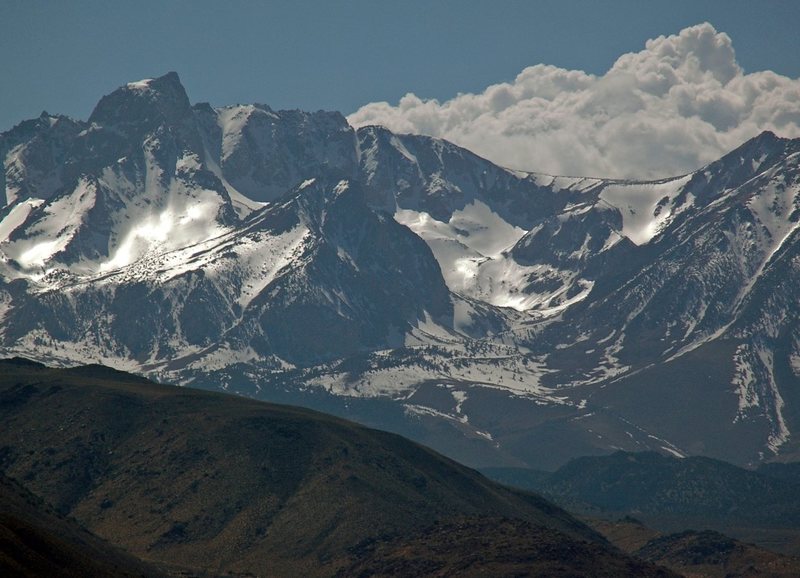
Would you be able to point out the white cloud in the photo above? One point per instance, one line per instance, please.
(680, 103)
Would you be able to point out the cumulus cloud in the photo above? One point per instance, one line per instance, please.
(678, 104)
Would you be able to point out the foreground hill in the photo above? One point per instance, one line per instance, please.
(490, 547)
(226, 484)
(713, 555)
(36, 541)
(706, 553)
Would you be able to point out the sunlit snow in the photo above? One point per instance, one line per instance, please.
(646, 208)
(53, 228)
(470, 249)
(143, 84)
(17, 216)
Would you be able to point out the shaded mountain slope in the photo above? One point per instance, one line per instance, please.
(222, 483)
(489, 547)
(36, 541)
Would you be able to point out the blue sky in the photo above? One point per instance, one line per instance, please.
(62, 56)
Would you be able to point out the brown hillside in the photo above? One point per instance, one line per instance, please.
(227, 484)
(36, 541)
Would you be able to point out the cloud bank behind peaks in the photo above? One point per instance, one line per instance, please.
(678, 104)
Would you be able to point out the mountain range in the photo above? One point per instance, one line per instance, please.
(669, 493)
(505, 318)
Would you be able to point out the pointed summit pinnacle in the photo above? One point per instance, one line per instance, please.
(148, 101)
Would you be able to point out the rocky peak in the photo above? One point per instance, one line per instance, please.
(33, 154)
(740, 165)
(145, 103)
(265, 152)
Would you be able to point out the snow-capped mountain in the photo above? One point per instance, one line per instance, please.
(503, 317)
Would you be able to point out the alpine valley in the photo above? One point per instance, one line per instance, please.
(504, 318)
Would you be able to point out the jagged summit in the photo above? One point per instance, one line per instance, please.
(146, 102)
(760, 152)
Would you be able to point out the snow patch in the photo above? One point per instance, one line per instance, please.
(58, 222)
(17, 216)
(460, 397)
(472, 252)
(139, 85)
(264, 260)
(674, 452)
(169, 230)
(744, 380)
(646, 208)
(780, 431)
